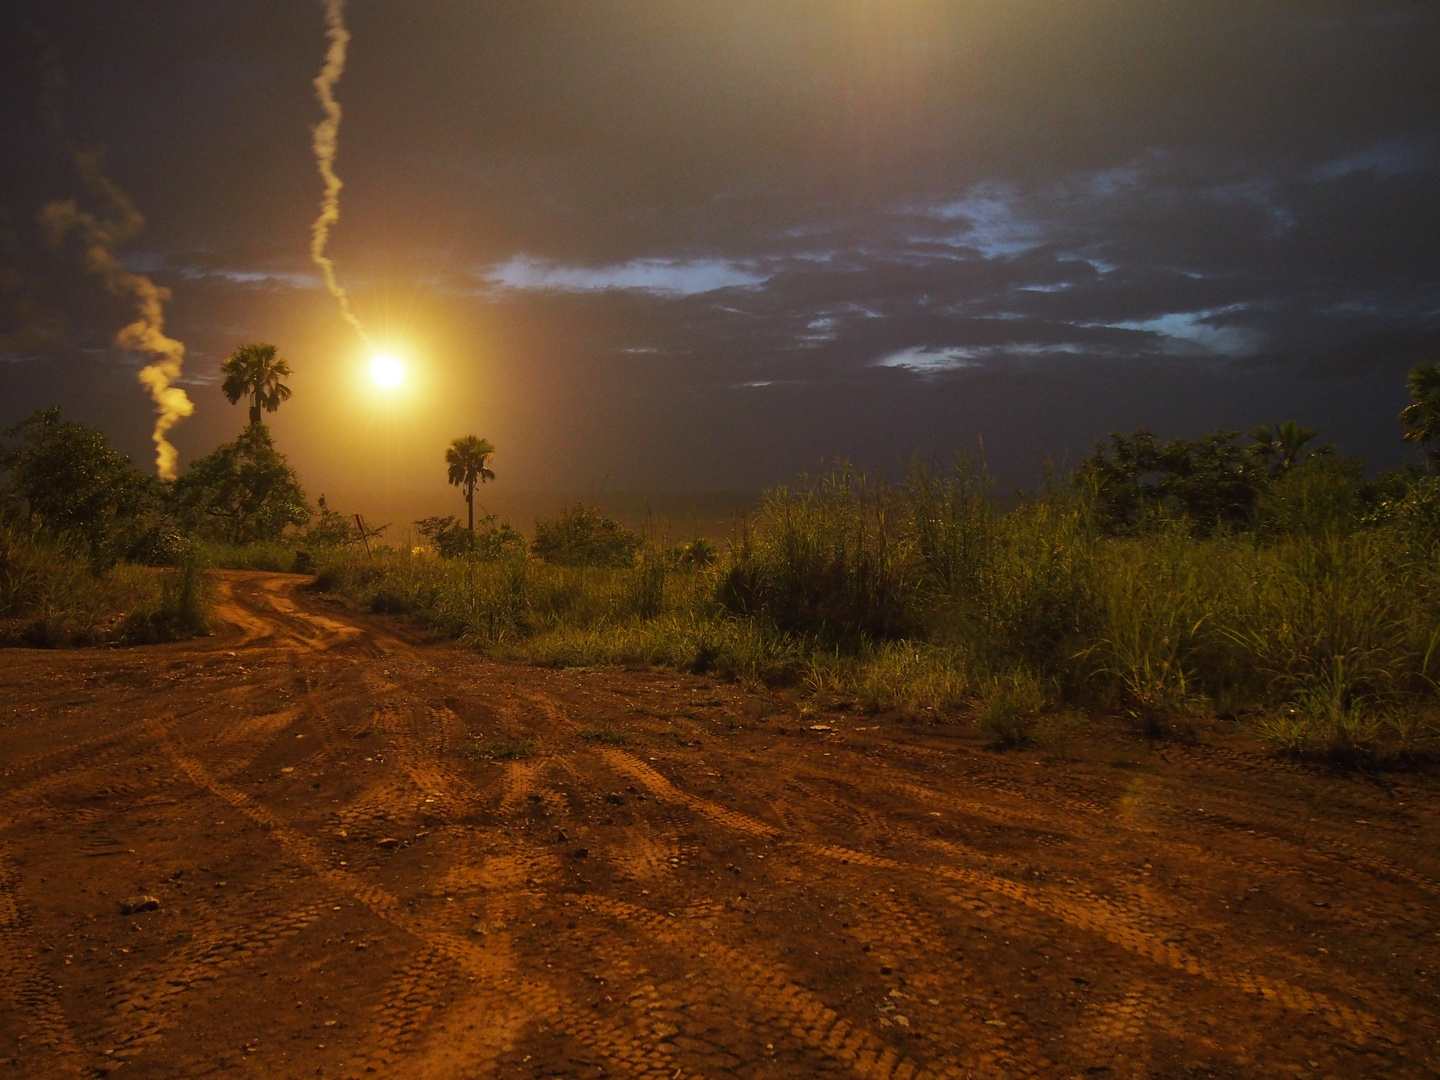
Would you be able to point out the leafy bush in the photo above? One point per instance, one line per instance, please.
(242, 491)
(696, 555)
(582, 536)
(75, 484)
(1205, 480)
(453, 540)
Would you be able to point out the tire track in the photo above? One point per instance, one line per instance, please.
(493, 964)
(1094, 916)
(32, 994)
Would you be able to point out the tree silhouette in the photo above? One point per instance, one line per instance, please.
(254, 371)
(468, 458)
(1278, 450)
(1422, 416)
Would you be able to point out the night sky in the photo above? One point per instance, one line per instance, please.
(700, 245)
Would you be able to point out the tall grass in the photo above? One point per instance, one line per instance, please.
(51, 594)
(1320, 631)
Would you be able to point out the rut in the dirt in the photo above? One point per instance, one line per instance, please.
(350, 887)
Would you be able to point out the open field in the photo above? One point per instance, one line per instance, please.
(375, 856)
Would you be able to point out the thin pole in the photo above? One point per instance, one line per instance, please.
(364, 537)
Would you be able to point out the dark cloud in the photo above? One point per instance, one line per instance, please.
(703, 245)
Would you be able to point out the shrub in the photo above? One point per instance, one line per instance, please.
(243, 491)
(582, 536)
(1318, 628)
(330, 528)
(75, 484)
(454, 540)
(832, 559)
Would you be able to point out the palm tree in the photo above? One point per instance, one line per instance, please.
(254, 371)
(467, 457)
(1422, 416)
(1280, 449)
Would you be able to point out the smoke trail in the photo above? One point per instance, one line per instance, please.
(146, 334)
(326, 134)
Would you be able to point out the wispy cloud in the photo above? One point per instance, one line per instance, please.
(1198, 332)
(930, 360)
(664, 277)
(994, 224)
(1393, 157)
(255, 278)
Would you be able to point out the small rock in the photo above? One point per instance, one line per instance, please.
(580, 853)
(131, 904)
(560, 836)
(479, 930)
(389, 843)
(614, 799)
(820, 727)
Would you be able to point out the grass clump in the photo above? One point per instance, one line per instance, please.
(499, 749)
(608, 736)
(1010, 707)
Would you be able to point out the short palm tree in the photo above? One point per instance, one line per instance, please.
(1422, 416)
(1280, 449)
(468, 458)
(254, 372)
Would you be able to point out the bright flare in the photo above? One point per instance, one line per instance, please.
(386, 371)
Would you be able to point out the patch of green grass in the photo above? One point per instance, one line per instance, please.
(499, 749)
(609, 736)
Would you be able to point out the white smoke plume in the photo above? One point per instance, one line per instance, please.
(99, 238)
(325, 139)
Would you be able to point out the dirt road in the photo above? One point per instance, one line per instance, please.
(681, 879)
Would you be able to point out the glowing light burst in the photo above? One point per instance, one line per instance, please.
(387, 371)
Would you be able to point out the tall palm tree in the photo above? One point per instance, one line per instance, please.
(468, 458)
(1422, 416)
(254, 372)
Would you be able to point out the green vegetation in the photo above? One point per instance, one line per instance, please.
(241, 492)
(499, 750)
(1264, 582)
(1267, 582)
(1421, 418)
(451, 539)
(93, 551)
(52, 593)
(582, 536)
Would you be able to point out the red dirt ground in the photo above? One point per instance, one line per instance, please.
(718, 887)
